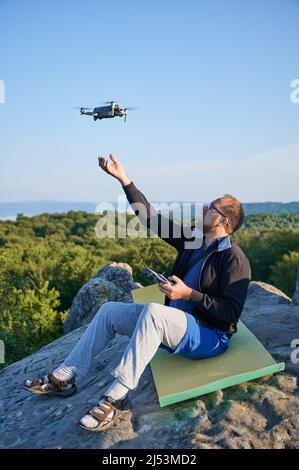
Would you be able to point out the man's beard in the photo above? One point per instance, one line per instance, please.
(208, 227)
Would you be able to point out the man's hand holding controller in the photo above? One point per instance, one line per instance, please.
(178, 290)
(173, 287)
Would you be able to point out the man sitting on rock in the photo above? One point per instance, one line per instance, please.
(197, 320)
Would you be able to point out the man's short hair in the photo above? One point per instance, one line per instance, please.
(234, 211)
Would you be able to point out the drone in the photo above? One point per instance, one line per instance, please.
(110, 110)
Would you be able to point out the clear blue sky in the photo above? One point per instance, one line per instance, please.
(211, 80)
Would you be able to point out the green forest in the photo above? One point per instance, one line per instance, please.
(45, 259)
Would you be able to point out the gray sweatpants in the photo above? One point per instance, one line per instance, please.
(148, 325)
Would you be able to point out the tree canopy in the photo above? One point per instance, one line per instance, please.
(45, 259)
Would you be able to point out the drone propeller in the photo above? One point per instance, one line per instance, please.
(80, 107)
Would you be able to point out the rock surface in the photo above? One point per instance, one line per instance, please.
(262, 413)
(114, 282)
(274, 319)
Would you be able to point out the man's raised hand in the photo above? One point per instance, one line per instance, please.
(113, 168)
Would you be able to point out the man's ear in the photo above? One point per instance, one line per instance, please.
(224, 221)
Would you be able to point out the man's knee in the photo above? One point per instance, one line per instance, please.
(105, 309)
(154, 311)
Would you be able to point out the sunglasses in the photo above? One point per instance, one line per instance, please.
(210, 205)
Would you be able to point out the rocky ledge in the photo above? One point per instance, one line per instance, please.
(262, 413)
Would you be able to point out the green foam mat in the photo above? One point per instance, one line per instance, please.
(178, 378)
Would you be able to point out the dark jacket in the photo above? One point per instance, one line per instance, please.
(224, 277)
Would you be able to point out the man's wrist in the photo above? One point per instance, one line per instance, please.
(188, 293)
(124, 181)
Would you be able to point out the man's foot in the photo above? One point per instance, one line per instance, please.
(50, 385)
(105, 414)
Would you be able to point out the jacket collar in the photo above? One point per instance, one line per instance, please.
(223, 243)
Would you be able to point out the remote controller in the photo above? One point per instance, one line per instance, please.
(157, 276)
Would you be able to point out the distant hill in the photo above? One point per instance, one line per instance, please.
(272, 207)
(9, 210)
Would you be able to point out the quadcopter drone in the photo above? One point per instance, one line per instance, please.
(111, 110)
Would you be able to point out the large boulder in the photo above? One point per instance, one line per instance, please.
(262, 413)
(274, 319)
(113, 282)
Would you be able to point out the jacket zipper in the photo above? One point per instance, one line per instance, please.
(201, 272)
(203, 266)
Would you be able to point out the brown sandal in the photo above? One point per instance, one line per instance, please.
(51, 385)
(119, 407)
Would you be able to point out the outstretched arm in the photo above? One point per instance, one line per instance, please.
(169, 231)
